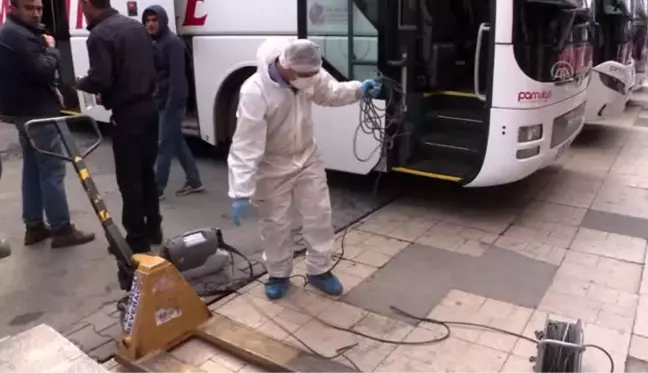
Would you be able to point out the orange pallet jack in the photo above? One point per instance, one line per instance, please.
(163, 310)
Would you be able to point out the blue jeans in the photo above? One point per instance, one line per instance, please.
(173, 143)
(42, 178)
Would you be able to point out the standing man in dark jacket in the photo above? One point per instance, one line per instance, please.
(122, 71)
(172, 94)
(28, 90)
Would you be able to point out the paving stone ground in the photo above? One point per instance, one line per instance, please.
(567, 243)
(75, 290)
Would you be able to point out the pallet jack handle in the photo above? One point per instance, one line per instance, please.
(117, 244)
(61, 125)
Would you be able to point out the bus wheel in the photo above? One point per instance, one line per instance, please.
(226, 106)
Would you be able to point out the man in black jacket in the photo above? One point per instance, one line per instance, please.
(28, 90)
(172, 101)
(122, 71)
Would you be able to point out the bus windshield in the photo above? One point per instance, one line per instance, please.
(551, 39)
(614, 39)
(640, 32)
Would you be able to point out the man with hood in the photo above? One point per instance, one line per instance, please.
(274, 162)
(172, 101)
(29, 63)
(122, 71)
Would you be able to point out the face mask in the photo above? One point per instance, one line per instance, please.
(304, 83)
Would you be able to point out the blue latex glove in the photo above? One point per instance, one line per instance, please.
(371, 87)
(240, 208)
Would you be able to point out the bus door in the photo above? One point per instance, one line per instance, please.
(348, 34)
(442, 51)
(438, 51)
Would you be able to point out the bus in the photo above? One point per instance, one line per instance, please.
(640, 40)
(494, 90)
(614, 68)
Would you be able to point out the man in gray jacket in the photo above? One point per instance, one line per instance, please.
(172, 101)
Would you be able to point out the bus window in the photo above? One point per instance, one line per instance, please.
(551, 39)
(615, 31)
(351, 56)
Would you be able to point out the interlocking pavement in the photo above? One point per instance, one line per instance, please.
(568, 243)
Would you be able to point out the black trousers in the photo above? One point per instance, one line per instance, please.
(135, 147)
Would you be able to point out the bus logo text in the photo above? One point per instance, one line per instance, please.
(533, 96)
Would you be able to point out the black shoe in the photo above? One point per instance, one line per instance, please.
(37, 233)
(70, 236)
(156, 237)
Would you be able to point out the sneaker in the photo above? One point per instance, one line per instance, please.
(70, 236)
(276, 287)
(161, 196)
(188, 189)
(37, 233)
(327, 283)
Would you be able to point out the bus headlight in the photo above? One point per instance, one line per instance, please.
(612, 83)
(530, 133)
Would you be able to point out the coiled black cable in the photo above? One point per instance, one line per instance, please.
(372, 116)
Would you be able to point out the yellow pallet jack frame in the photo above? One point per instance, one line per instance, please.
(163, 310)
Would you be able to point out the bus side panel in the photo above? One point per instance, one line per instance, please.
(335, 128)
(512, 88)
(215, 58)
(501, 164)
(241, 17)
(81, 60)
(336, 132)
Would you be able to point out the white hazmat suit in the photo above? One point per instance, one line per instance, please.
(275, 162)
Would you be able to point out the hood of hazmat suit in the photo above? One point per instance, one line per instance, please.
(274, 134)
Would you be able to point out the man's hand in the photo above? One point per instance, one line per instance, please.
(371, 88)
(49, 41)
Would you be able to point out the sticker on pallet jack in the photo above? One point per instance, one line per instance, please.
(133, 301)
(164, 315)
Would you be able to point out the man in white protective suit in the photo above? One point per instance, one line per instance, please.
(274, 161)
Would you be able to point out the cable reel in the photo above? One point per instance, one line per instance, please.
(560, 347)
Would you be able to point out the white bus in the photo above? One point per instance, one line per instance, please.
(614, 68)
(640, 40)
(495, 89)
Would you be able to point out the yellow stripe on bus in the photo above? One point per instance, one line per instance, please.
(450, 93)
(426, 174)
(69, 112)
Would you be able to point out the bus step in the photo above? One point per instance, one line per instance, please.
(449, 167)
(452, 143)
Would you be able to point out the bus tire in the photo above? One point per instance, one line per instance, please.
(226, 105)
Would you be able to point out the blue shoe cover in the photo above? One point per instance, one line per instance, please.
(326, 282)
(276, 287)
